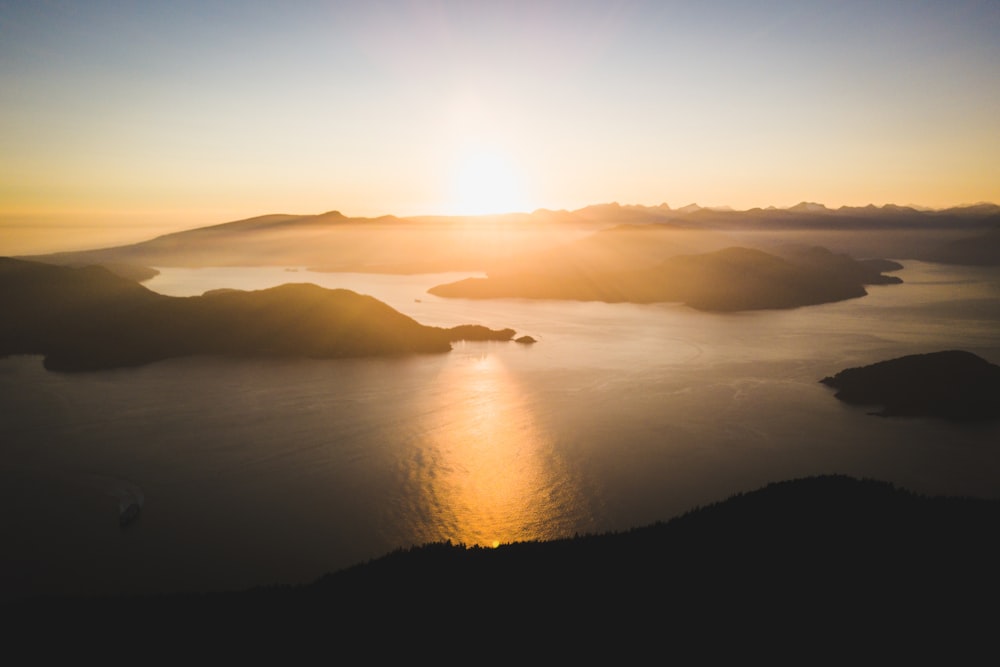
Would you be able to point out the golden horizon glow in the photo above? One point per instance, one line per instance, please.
(438, 108)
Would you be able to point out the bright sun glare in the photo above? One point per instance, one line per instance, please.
(486, 181)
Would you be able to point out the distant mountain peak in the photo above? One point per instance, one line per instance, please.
(809, 207)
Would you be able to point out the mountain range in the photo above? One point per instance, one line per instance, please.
(332, 241)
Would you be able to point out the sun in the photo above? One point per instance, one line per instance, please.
(486, 181)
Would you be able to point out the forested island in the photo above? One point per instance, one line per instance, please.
(730, 279)
(950, 384)
(89, 318)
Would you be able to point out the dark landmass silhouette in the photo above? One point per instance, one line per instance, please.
(980, 250)
(881, 265)
(84, 319)
(951, 384)
(723, 280)
(805, 569)
(829, 565)
(332, 241)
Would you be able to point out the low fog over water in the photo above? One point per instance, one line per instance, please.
(255, 472)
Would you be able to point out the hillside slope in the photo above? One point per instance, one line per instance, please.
(828, 564)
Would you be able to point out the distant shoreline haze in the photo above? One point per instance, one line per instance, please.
(24, 239)
(713, 260)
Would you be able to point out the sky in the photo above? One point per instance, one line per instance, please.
(123, 120)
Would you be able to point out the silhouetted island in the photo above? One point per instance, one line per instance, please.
(89, 318)
(951, 384)
(814, 567)
(729, 279)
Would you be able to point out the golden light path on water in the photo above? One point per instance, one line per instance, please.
(483, 471)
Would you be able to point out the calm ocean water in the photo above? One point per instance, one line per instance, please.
(254, 472)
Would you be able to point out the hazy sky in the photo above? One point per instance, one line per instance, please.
(128, 119)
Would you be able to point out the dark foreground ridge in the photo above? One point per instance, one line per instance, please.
(951, 384)
(827, 564)
(89, 318)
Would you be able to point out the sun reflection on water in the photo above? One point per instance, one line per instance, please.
(486, 472)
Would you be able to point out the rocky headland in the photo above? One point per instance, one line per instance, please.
(950, 384)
